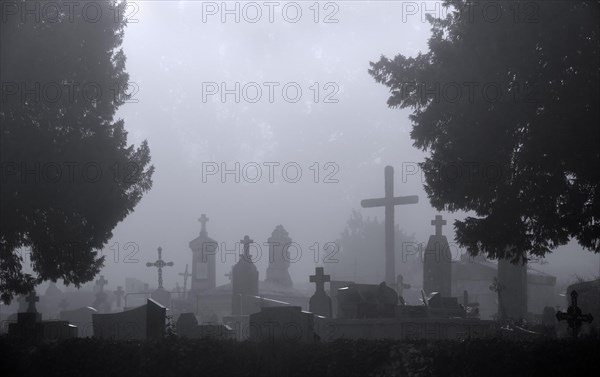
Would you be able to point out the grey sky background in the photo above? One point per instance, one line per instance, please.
(171, 52)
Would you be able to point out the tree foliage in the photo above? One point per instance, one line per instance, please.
(68, 174)
(506, 101)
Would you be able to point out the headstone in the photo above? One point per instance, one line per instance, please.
(389, 201)
(186, 324)
(279, 257)
(574, 316)
(320, 302)
(82, 318)
(31, 299)
(512, 285)
(204, 250)
(100, 303)
(244, 279)
(118, 294)
(367, 301)
(144, 322)
(437, 259)
(160, 294)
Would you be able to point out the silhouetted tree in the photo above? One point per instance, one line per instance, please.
(68, 175)
(506, 100)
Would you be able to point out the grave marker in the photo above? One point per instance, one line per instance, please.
(389, 202)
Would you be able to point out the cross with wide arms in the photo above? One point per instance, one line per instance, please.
(573, 316)
(159, 264)
(246, 242)
(32, 298)
(389, 201)
(438, 222)
(319, 278)
(101, 282)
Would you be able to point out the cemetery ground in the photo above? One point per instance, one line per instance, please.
(173, 356)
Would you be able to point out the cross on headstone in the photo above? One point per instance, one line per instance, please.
(319, 278)
(389, 201)
(573, 316)
(203, 220)
(31, 299)
(119, 293)
(101, 282)
(438, 223)
(246, 242)
(185, 275)
(159, 264)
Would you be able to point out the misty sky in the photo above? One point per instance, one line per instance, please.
(171, 53)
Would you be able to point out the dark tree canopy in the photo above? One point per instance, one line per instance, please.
(68, 175)
(506, 100)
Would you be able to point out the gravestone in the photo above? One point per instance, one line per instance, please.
(160, 294)
(320, 302)
(512, 283)
(144, 322)
(574, 316)
(82, 318)
(244, 280)
(279, 257)
(30, 325)
(367, 301)
(204, 250)
(186, 324)
(437, 268)
(100, 303)
(389, 202)
(118, 294)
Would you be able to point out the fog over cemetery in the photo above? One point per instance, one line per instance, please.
(310, 187)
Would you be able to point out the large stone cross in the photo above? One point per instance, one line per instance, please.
(389, 201)
(246, 242)
(203, 220)
(32, 298)
(319, 278)
(438, 223)
(573, 316)
(185, 275)
(119, 293)
(159, 264)
(101, 282)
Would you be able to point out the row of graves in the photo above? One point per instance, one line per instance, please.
(248, 308)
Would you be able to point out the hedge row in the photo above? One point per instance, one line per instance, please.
(186, 357)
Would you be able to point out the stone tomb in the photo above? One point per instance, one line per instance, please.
(144, 322)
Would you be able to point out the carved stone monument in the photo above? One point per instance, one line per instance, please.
(279, 258)
(160, 295)
(437, 259)
(320, 302)
(204, 250)
(244, 279)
